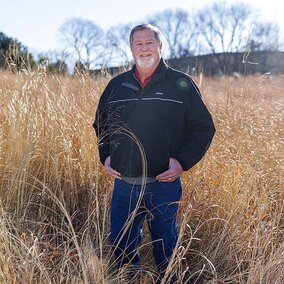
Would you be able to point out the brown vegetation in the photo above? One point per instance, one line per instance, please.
(54, 196)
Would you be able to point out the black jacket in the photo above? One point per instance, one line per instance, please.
(141, 129)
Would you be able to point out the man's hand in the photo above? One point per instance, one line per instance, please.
(110, 170)
(174, 171)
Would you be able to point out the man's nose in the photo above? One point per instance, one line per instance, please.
(144, 47)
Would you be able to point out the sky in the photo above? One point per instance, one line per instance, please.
(35, 23)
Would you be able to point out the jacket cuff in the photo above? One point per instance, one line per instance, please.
(103, 157)
(185, 166)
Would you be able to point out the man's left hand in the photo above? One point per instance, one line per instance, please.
(174, 171)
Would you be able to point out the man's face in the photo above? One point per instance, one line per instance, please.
(146, 49)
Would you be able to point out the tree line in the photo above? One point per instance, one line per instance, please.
(218, 28)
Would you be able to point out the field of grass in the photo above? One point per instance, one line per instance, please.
(54, 195)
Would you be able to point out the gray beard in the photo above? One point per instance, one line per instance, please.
(147, 63)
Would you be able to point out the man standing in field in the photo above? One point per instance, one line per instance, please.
(152, 125)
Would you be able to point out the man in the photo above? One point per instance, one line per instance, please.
(152, 125)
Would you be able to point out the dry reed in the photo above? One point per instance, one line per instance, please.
(54, 195)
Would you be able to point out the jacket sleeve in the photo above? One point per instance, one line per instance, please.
(200, 130)
(102, 123)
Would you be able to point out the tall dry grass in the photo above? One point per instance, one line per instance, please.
(54, 195)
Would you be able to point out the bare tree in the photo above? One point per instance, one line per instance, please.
(84, 39)
(178, 30)
(265, 36)
(225, 28)
(117, 44)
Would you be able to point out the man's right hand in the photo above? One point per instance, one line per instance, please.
(110, 170)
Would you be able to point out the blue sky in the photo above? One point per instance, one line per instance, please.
(36, 22)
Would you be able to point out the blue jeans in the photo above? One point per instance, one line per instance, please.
(130, 206)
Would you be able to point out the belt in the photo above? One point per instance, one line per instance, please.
(139, 180)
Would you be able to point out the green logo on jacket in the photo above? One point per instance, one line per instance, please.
(183, 84)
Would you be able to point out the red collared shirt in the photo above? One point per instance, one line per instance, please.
(145, 82)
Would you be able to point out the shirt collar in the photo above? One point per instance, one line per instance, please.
(143, 83)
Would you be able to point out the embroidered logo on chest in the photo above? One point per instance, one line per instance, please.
(183, 84)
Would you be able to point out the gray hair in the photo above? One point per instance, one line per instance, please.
(150, 27)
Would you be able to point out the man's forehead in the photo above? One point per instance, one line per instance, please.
(143, 34)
